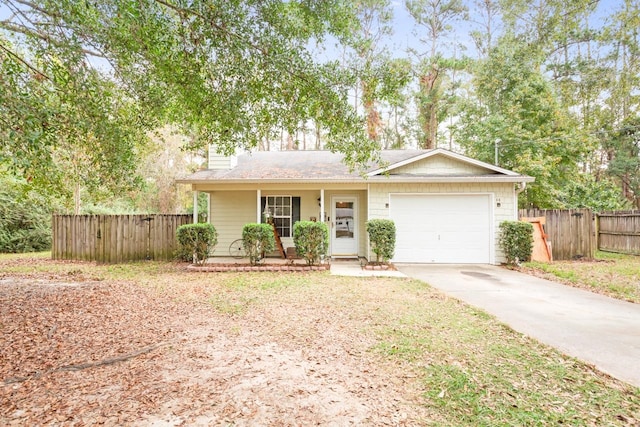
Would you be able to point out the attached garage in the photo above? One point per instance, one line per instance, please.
(442, 228)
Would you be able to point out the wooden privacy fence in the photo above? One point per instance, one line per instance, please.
(571, 231)
(619, 232)
(115, 238)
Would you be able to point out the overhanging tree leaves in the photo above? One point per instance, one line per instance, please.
(233, 71)
(65, 126)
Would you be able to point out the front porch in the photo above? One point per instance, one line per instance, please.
(343, 208)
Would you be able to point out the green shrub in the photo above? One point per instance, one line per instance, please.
(382, 236)
(257, 239)
(195, 241)
(516, 241)
(311, 240)
(25, 219)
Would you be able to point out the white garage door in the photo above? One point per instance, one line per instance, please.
(442, 228)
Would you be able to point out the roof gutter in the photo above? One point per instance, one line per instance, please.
(373, 180)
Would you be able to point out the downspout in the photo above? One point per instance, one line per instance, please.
(523, 186)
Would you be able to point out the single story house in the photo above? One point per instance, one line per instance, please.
(446, 207)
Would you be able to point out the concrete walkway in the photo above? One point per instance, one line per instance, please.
(597, 329)
(350, 267)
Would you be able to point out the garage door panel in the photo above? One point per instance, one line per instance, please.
(442, 228)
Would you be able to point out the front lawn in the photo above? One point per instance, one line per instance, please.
(153, 344)
(611, 274)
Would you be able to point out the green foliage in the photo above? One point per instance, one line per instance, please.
(516, 241)
(584, 191)
(202, 207)
(196, 241)
(207, 66)
(624, 159)
(311, 240)
(515, 109)
(257, 240)
(25, 218)
(382, 235)
(66, 127)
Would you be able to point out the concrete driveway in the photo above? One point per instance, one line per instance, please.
(599, 330)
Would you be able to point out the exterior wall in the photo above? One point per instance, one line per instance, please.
(229, 212)
(220, 161)
(439, 165)
(501, 193)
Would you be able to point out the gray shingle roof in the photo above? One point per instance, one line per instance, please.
(298, 166)
(304, 165)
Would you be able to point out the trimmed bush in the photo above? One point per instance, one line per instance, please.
(382, 236)
(195, 241)
(311, 240)
(516, 241)
(257, 239)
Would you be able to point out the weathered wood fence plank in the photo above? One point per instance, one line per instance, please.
(571, 231)
(619, 232)
(115, 238)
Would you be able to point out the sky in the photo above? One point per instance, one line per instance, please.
(405, 33)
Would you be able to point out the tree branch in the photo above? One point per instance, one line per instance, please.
(26, 64)
(45, 37)
(82, 366)
(218, 27)
(36, 7)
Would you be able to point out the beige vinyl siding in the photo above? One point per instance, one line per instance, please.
(439, 165)
(504, 192)
(230, 211)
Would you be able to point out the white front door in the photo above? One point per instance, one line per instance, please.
(344, 229)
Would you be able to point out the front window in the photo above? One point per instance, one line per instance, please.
(279, 208)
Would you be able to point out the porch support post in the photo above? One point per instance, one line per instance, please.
(258, 205)
(321, 216)
(209, 208)
(368, 218)
(195, 206)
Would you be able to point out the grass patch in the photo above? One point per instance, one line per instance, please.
(478, 372)
(615, 275)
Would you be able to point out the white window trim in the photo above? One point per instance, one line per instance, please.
(272, 210)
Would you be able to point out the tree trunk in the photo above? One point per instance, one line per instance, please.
(318, 142)
(429, 107)
(77, 202)
(373, 117)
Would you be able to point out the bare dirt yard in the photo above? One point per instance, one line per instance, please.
(153, 345)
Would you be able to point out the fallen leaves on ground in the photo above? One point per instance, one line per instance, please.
(77, 350)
